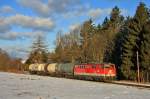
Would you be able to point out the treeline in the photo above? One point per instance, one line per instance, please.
(117, 40)
(9, 64)
(89, 43)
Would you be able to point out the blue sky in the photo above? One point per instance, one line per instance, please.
(22, 20)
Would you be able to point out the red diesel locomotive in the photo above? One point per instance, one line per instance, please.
(95, 71)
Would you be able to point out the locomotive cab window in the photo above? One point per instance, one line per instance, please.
(112, 66)
(94, 66)
(106, 66)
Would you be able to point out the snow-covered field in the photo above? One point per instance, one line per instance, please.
(20, 86)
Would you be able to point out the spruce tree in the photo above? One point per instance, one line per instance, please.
(39, 53)
(117, 52)
(111, 28)
(132, 41)
(145, 50)
(105, 23)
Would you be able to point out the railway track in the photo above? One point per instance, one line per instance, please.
(140, 85)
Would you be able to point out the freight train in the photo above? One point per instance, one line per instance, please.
(103, 71)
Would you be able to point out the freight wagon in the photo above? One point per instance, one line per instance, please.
(65, 70)
(33, 68)
(51, 69)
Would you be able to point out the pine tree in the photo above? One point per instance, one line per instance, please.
(39, 52)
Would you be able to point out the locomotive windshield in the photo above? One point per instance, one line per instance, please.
(107, 66)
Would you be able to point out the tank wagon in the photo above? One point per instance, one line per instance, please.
(33, 68)
(41, 69)
(65, 70)
(103, 71)
(51, 69)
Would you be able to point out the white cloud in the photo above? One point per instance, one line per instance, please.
(66, 8)
(37, 25)
(96, 13)
(36, 5)
(89, 12)
(34, 23)
(6, 9)
(93, 13)
(81, 11)
(20, 35)
(124, 11)
(51, 7)
(74, 26)
(4, 26)
(30, 22)
(63, 5)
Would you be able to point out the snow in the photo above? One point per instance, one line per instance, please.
(20, 86)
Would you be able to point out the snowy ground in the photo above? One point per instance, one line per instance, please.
(19, 86)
